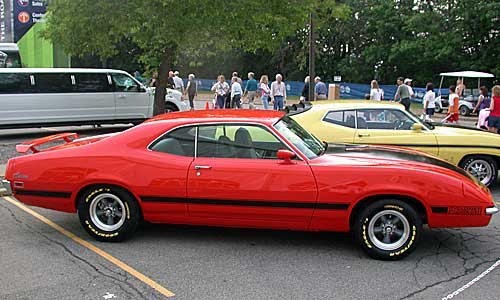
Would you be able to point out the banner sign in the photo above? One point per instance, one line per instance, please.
(6, 35)
(26, 14)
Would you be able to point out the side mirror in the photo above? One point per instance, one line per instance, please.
(285, 155)
(417, 127)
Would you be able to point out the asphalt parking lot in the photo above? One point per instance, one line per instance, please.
(49, 256)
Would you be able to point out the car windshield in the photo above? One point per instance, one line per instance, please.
(303, 140)
(417, 119)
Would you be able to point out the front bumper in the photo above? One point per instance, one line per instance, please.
(5, 188)
(491, 210)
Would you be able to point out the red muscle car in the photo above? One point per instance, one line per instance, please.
(241, 168)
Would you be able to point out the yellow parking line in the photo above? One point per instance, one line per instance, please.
(94, 249)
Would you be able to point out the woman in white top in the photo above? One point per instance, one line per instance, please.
(278, 92)
(429, 101)
(236, 93)
(220, 88)
(265, 91)
(376, 93)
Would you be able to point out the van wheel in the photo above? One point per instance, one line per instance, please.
(483, 167)
(464, 110)
(438, 108)
(170, 107)
(108, 213)
(388, 229)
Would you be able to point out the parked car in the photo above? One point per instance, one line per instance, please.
(52, 97)
(385, 123)
(241, 168)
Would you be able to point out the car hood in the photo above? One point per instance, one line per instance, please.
(457, 135)
(391, 154)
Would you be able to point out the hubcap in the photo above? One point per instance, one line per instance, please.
(389, 230)
(107, 212)
(480, 169)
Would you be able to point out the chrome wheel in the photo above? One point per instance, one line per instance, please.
(107, 212)
(481, 169)
(389, 230)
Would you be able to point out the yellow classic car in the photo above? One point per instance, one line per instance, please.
(387, 123)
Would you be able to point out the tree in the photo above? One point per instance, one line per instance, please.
(164, 28)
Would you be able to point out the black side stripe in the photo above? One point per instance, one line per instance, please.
(333, 206)
(51, 194)
(439, 209)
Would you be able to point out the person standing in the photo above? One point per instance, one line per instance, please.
(178, 83)
(494, 119)
(453, 108)
(170, 80)
(304, 95)
(221, 89)
(319, 89)
(483, 101)
(429, 101)
(278, 92)
(265, 91)
(460, 89)
(403, 94)
(191, 90)
(251, 90)
(154, 79)
(376, 93)
(236, 93)
(409, 82)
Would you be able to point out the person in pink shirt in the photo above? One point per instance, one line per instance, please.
(494, 119)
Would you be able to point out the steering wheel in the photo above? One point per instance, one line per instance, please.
(398, 124)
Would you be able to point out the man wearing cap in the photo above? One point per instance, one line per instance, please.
(178, 83)
(319, 89)
(408, 82)
(403, 93)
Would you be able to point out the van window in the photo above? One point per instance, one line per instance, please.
(15, 83)
(53, 83)
(91, 83)
(124, 83)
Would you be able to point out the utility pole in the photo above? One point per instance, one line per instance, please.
(311, 57)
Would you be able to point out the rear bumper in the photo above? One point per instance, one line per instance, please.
(5, 188)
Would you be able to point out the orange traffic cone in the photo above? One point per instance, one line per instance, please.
(207, 105)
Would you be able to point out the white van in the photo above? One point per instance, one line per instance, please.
(9, 56)
(51, 97)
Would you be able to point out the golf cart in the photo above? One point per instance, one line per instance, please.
(469, 100)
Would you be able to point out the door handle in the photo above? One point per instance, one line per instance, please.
(363, 134)
(202, 167)
(122, 96)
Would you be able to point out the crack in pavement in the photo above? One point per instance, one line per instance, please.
(83, 260)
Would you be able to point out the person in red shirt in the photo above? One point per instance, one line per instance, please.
(494, 118)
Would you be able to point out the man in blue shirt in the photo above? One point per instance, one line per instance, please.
(319, 89)
(251, 89)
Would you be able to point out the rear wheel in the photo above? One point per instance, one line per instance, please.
(438, 108)
(464, 110)
(388, 229)
(108, 213)
(170, 107)
(483, 167)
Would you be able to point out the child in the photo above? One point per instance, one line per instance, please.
(429, 102)
(453, 108)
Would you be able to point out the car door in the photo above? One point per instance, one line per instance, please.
(132, 101)
(388, 126)
(236, 180)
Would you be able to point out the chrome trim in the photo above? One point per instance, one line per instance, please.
(491, 210)
(7, 187)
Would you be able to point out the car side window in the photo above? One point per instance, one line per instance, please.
(53, 83)
(342, 117)
(388, 119)
(237, 141)
(15, 83)
(124, 83)
(178, 142)
(91, 83)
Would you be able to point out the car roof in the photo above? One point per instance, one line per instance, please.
(354, 104)
(221, 115)
(59, 70)
(469, 74)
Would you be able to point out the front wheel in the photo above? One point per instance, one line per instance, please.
(464, 110)
(388, 229)
(108, 213)
(438, 108)
(484, 168)
(170, 107)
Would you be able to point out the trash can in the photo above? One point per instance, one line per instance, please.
(333, 91)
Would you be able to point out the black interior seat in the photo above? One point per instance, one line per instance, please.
(224, 147)
(244, 144)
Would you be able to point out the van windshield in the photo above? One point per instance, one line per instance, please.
(9, 59)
